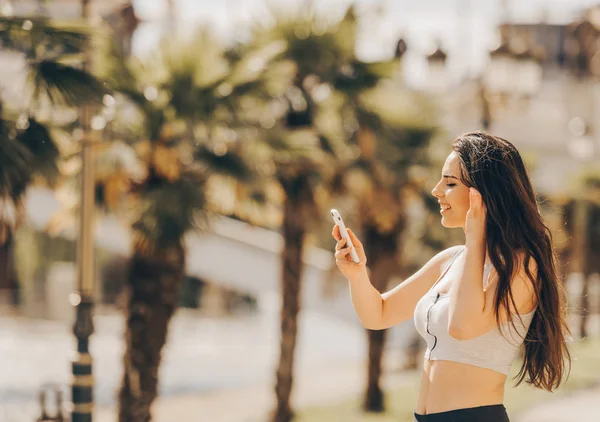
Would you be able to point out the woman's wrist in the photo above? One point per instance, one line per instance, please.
(475, 244)
(360, 277)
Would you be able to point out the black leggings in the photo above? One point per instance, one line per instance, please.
(492, 413)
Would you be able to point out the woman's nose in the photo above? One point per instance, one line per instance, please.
(436, 192)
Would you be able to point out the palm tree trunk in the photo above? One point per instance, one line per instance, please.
(587, 271)
(9, 285)
(412, 352)
(382, 249)
(374, 400)
(294, 230)
(581, 240)
(584, 306)
(153, 283)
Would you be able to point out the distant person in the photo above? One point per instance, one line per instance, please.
(476, 304)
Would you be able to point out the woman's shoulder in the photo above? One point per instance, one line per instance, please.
(445, 257)
(451, 251)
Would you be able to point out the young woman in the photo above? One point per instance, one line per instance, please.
(476, 304)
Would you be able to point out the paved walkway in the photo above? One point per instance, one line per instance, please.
(208, 364)
(330, 386)
(199, 383)
(583, 406)
(255, 404)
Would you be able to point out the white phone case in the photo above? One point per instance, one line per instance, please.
(337, 219)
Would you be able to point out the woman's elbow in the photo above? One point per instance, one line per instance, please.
(372, 325)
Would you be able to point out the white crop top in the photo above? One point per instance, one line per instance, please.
(490, 350)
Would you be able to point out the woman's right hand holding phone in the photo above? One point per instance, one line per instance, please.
(347, 267)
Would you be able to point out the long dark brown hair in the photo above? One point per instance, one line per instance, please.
(514, 229)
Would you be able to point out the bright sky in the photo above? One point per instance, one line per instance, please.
(466, 28)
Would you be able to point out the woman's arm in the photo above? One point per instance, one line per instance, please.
(377, 311)
(366, 300)
(467, 298)
(471, 311)
(469, 318)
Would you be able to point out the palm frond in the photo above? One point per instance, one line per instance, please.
(255, 88)
(15, 164)
(26, 34)
(168, 211)
(118, 71)
(203, 85)
(224, 163)
(335, 147)
(327, 145)
(129, 90)
(256, 60)
(314, 53)
(64, 84)
(189, 100)
(315, 44)
(358, 76)
(296, 146)
(367, 118)
(130, 78)
(44, 154)
(590, 179)
(257, 203)
(279, 76)
(346, 31)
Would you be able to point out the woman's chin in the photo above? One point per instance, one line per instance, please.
(448, 223)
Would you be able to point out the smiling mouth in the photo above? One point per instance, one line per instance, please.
(444, 208)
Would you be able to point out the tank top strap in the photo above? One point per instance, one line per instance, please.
(452, 259)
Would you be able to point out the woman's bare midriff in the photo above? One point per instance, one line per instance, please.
(447, 385)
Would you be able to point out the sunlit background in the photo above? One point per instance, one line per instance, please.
(221, 133)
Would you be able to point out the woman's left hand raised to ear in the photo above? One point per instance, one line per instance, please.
(475, 221)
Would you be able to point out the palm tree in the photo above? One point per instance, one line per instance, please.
(327, 78)
(582, 223)
(393, 147)
(51, 51)
(188, 105)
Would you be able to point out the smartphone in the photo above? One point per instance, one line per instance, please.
(337, 219)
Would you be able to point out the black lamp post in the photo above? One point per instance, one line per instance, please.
(83, 380)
